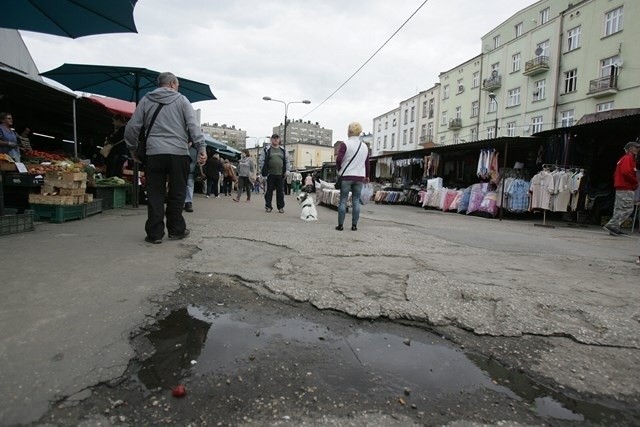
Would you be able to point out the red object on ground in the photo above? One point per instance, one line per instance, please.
(179, 391)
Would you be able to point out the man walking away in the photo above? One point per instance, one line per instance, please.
(274, 164)
(625, 182)
(167, 153)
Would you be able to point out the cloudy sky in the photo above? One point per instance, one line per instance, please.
(292, 50)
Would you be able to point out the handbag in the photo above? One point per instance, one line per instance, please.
(141, 149)
(104, 151)
(338, 184)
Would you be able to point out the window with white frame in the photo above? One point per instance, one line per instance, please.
(495, 67)
(573, 38)
(474, 134)
(458, 112)
(613, 21)
(475, 107)
(475, 81)
(571, 81)
(395, 122)
(393, 140)
(411, 136)
(536, 124)
(430, 130)
(379, 127)
(445, 92)
(442, 140)
(606, 66)
(385, 142)
(514, 97)
(515, 62)
(566, 118)
(544, 16)
(518, 29)
(404, 137)
(456, 138)
(379, 143)
(443, 120)
(460, 85)
(539, 89)
(491, 132)
(424, 109)
(406, 116)
(493, 106)
(431, 102)
(544, 48)
(386, 125)
(604, 106)
(496, 41)
(423, 130)
(413, 114)
(511, 129)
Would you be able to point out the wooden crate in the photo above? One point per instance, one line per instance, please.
(52, 176)
(8, 167)
(88, 198)
(43, 199)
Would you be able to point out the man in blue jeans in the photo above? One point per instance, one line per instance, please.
(274, 165)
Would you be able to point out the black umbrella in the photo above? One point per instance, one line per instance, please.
(69, 18)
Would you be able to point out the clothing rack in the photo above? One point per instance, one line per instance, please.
(555, 166)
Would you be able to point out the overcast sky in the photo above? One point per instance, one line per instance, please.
(291, 50)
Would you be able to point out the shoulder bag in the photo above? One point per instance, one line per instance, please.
(339, 180)
(108, 147)
(141, 150)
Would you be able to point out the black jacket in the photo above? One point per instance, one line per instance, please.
(213, 168)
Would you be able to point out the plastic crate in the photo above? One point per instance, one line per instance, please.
(13, 222)
(112, 197)
(92, 208)
(57, 213)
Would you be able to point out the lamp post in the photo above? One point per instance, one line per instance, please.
(286, 109)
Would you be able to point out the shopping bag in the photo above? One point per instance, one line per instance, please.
(366, 194)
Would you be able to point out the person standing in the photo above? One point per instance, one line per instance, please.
(213, 170)
(115, 159)
(167, 155)
(8, 138)
(274, 163)
(191, 179)
(288, 181)
(246, 171)
(297, 182)
(352, 164)
(229, 177)
(625, 182)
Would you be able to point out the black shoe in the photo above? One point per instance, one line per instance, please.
(354, 228)
(268, 209)
(339, 228)
(179, 236)
(613, 231)
(188, 207)
(154, 241)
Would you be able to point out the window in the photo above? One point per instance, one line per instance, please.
(566, 118)
(431, 101)
(491, 132)
(458, 112)
(406, 116)
(411, 136)
(424, 109)
(544, 16)
(511, 129)
(395, 122)
(443, 120)
(404, 137)
(493, 105)
(544, 48)
(613, 21)
(393, 140)
(379, 127)
(607, 67)
(475, 82)
(536, 124)
(445, 92)
(539, 90)
(474, 134)
(518, 29)
(456, 138)
(496, 41)
(571, 81)
(385, 142)
(605, 106)
(460, 85)
(430, 130)
(573, 38)
(495, 67)
(514, 97)
(441, 139)
(423, 130)
(413, 114)
(475, 106)
(386, 125)
(515, 62)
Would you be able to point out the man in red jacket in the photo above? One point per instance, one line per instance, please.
(625, 182)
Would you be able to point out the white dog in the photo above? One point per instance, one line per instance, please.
(308, 210)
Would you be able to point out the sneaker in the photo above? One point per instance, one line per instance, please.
(612, 230)
(207, 196)
(268, 209)
(217, 197)
(188, 207)
(281, 210)
(234, 199)
(179, 236)
(154, 241)
(339, 228)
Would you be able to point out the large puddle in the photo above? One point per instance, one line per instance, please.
(191, 339)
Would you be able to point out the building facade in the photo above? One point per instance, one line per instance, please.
(305, 132)
(227, 134)
(385, 133)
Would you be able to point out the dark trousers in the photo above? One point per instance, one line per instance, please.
(227, 185)
(212, 186)
(274, 182)
(161, 168)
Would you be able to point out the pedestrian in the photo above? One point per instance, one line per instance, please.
(167, 155)
(352, 165)
(213, 171)
(308, 183)
(297, 182)
(191, 179)
(274, 163)
(9, 142)
(115, 148)
(246, 172)
(625, 182)
(229, 177)
(257, 183)
(288, 181)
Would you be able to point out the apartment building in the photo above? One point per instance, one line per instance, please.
(428, 117)
(236, 138)
(385, 133)
(305, 132)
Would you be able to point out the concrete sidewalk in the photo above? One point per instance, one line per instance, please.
(74, 292)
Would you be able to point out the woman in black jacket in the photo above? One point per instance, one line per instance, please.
(212, 170)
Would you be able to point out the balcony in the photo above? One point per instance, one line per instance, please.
(536, 66)
(603, 86)
(492, 83)
(426, 139)
(455, 124)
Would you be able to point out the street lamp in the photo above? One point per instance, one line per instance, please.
(492, 97)
(286, 109)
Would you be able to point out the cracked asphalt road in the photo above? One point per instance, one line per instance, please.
(75, 291)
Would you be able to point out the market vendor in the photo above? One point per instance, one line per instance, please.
(8, 138)
(115, 159)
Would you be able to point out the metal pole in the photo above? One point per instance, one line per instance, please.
(504, 166)
(75, 131)
(135, 196)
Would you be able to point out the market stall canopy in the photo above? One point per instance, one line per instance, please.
(69, 18)
(221, 148)
(121, 82)
(115, 106)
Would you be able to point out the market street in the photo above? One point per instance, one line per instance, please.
(74, 292)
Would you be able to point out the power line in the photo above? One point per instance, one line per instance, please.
(367, 61)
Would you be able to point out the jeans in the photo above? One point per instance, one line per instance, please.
(274, 182)
(212, 186)
(227, 186)
(190, 184)
(244, 184)
(356, 188)
(161, 168)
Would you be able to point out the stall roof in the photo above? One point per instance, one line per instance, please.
(115, 106)
(622, 117)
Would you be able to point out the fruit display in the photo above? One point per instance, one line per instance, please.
(43, 155)
(6, 158)
(63, 166)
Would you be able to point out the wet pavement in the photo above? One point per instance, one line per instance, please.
(540, 326)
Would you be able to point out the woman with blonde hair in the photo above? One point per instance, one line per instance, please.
(352, 166)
